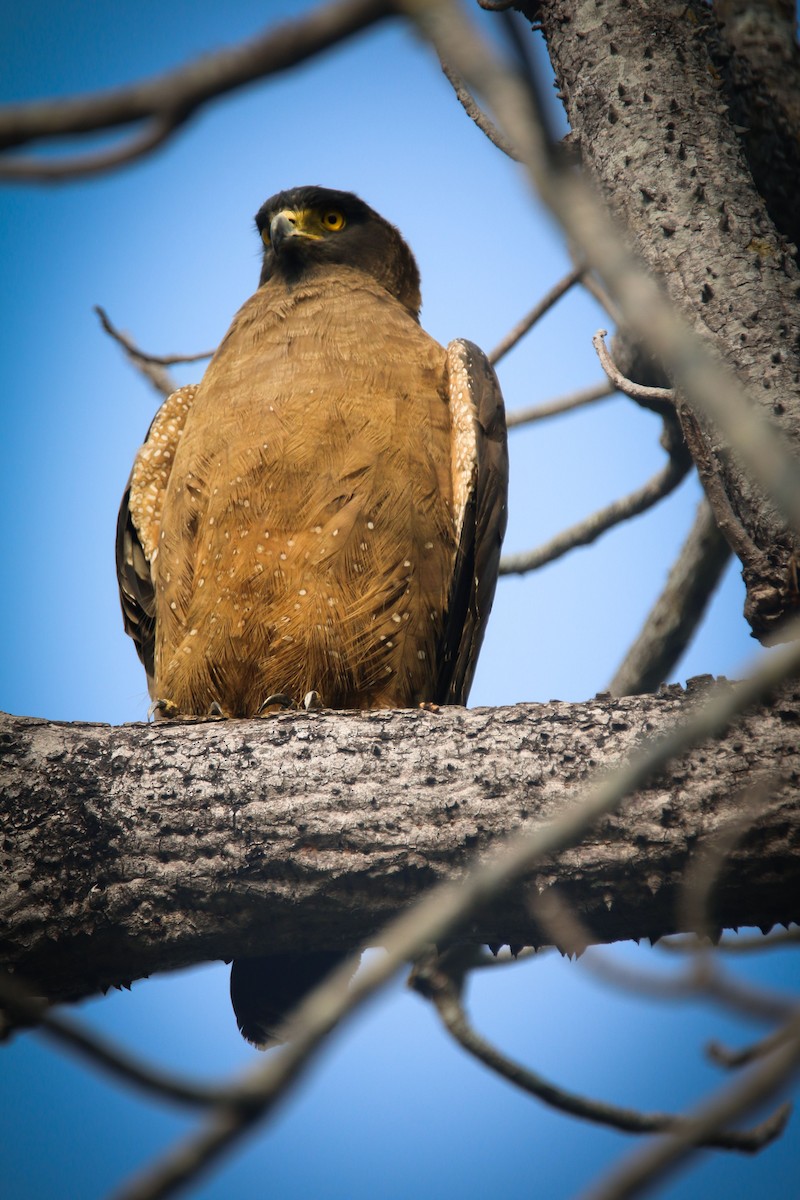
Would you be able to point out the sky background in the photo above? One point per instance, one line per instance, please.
(391, 1108)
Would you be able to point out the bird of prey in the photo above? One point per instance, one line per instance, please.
(321, 516)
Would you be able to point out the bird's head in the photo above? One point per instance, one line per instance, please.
(307, 227)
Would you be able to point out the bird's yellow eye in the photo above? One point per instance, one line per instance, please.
(333, 220)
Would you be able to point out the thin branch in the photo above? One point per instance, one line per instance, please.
(19, 1004)
(171, 98)
(637, 391)
(536, 313)
(159, 360)
(554, 408)
(151, 368)
(476, 114)
(596, 290)
(678, 611)
(436, 916)
(655, 1162)
(732, 1059)
(432, 979)
(589, 530)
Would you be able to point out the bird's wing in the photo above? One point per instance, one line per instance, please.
(479, 463)
(139, 522)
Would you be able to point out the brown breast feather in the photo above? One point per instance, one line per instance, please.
(306, 535)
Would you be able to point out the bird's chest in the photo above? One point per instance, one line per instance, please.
(308, 514)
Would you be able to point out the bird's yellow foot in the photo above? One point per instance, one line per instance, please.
(163, 710)
(429, 706)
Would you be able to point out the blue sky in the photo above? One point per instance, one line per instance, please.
(168, 248)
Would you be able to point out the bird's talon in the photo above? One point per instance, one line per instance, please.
(277, 701)
(215, 709)
(429, 706)
(311, 701)
(163, 710)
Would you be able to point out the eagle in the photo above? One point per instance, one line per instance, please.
(318, 522)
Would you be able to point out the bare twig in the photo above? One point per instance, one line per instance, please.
(655, 1162)
(587, 531)
(159, 360)
(476, 114)
(169, 100)
(676, 614)
(432, 978)
(536, 313)
(435, 917)
(731, 1059)
(23, 1008)
(596, 290)
(151, 368)
(637, 391)
(554, 408)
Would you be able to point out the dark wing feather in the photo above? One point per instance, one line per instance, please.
(480, 491)
(136, 592)
(139, 519)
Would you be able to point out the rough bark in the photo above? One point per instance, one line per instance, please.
(645, 96)
(135, 849)
(761, 68)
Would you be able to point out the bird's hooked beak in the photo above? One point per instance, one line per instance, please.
(289, 224)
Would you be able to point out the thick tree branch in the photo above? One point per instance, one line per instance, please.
(149, 847)
(759, 62)
(667, 158)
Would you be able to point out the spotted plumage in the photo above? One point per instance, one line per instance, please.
(324, 511)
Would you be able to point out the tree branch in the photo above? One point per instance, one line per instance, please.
(588, 531)
(169, 100)
(154, 371)
(443, 911)
(432, 978)
(149, 847)
(537, 312)
(655, 1162)
(476, 114)
(673, 619)
(554, 408)
(637, 391)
